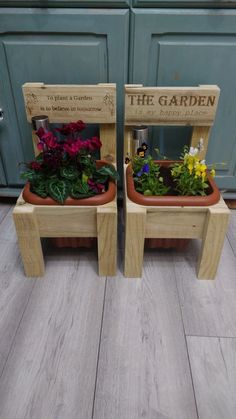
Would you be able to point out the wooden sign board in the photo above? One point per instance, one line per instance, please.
(68, 103)
(171, 105)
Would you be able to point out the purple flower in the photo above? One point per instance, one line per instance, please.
(145, 169)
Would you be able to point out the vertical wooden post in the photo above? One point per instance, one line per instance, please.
(107, 240)
(134, 241)
(29, 240)
(213, 239)
(127, 142)
(108, 140)
(198, 133)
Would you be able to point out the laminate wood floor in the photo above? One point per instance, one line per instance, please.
(76, 346)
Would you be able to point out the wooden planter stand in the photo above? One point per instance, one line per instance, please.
(67, 103)
(173, 106)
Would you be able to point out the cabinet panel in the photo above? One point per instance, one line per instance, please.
(65, 3)
(62, 47)
(187, 48)
(2, 174)
(184, 3)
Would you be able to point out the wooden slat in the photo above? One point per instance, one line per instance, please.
(107, 240)
(134, 241)
(29, 240)
(167, 224)
(51, 370)
(66, 221)
(67, 103)
(208, 307)
(128, 152)
(215, 229)
(171, 105)
(143, 369)
(213, 364)
(200, 133)
(108, 140)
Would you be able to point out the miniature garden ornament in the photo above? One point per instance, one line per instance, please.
(66, 167)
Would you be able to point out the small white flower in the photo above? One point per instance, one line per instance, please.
(203, 161)
(193, 151)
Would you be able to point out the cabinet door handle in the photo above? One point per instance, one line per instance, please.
(1, 114)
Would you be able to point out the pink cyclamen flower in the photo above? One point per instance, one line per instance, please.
(94, 144)
(35, 165)
(73, 147)
(72, 128)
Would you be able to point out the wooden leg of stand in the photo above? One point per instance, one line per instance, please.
(134, 242)
(29, 240)
(212, 243)
(107, 240)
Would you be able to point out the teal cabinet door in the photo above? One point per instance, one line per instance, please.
(184, 3)
(188, 48)
(55, 46)
(65, 3)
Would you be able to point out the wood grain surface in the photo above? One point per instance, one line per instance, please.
(213, 363)
(77, 346)
(143, 369)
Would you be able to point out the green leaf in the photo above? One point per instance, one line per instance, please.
(39, 189)
(81, 190)
(58, 190)
(69, 172)
(109, 171)
(31, 176)
(147, 192)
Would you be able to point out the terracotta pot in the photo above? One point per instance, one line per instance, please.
(99, 199)
(171, 200)
(104, 198)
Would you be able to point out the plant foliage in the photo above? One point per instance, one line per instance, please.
(66, 166)
(147, 177)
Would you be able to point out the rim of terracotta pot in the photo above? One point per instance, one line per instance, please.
(99, 199)
(170, 200)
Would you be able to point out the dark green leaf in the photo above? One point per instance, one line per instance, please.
(58, 190)
(109, 171)
(80, 190)
(39, 189)
(69, 172)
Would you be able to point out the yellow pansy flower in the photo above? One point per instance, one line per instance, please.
(190, 167)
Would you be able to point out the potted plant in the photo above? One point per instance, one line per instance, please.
(186, 182)
(66, 173)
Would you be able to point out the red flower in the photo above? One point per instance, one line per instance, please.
(72, 128)
(73, 147)
(92, 144)
(97, 187)
(47, 140)
(35, 165)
